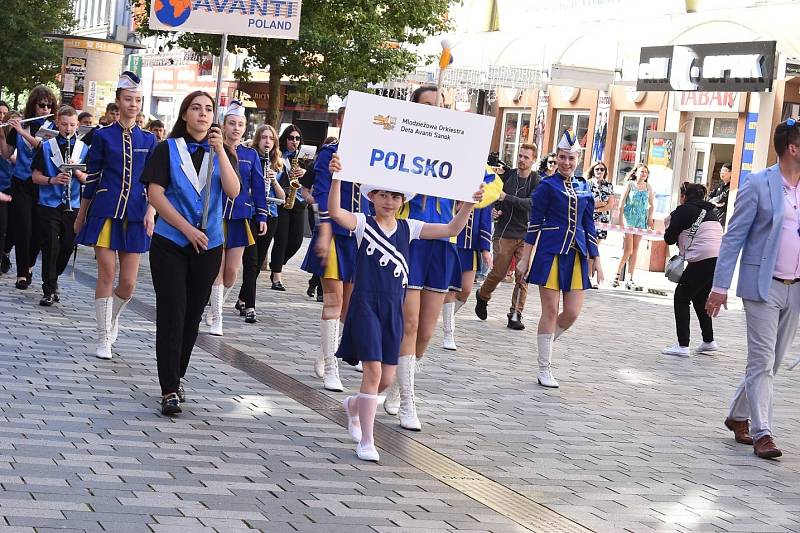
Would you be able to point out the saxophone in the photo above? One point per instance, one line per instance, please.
(294, 184)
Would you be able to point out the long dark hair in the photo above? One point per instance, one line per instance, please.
(39, 93)
(179, 129)
(291, 128)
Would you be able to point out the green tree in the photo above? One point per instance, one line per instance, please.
(28, 59)
(343, 45)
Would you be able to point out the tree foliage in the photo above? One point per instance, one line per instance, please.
(343, 45)
(29, 59)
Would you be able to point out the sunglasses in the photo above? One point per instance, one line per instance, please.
(293, 138)
(44, 105)
(551, 162)
(599, 169)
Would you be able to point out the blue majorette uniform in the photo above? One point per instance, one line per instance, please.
(562, 224)
(56, 210)
(435, 264)
(342, 252)
(476, 237)
(373, 328)
(252, 200)
(115, 218)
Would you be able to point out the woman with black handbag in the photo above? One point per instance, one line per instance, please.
(695, 228)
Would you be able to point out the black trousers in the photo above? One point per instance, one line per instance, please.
(694, 288)
(253, 259)
(182, 281)
(288, 237)
(57, 240)
(23, 210)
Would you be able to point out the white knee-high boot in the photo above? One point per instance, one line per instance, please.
(459, 304)
(559, 331)
(103, 309)
(117, 307)
(217, 301)
(328, 337)
(448, 326)
(545, 345)
(405, 376)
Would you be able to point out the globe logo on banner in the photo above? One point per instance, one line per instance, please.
(173, 12)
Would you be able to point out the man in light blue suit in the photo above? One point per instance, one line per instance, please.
(765, 228)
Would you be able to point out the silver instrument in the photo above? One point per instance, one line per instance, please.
(68, 167)
(268, 184)
(4, 124)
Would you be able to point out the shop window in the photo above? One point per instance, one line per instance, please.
(702, 127)
(725, 128)
(632, 143)
(516, 131)
(579, 122)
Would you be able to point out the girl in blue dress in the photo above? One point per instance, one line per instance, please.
(252, 200)
(115, 217)
(373, 328)
(561, 228)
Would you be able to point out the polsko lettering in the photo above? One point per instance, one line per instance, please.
(416, 164)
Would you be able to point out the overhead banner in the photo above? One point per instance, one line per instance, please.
(274, 19)
(411, 147)
(735, 67)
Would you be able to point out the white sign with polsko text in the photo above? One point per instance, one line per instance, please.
(411, 147)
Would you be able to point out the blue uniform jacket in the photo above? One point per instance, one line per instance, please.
(477, 234)
(561, 217)
(115, 162)
(253, 195)
(351, 197)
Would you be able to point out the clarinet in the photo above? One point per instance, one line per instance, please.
(69, 183)
(267, 180)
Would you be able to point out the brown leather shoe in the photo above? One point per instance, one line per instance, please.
(741, 430)
(765, 448)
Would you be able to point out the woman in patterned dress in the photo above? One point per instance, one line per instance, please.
(638, 202)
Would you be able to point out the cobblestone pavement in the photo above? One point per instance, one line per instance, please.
(633, 441)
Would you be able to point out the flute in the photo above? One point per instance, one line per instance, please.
(4, 124)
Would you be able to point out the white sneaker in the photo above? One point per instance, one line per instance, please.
(367, 453)
(676, 350)
(705, 347)
(392, 402)
(546, 379)
(353, 426)
(359, 367)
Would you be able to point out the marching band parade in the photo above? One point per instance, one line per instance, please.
(205, 200)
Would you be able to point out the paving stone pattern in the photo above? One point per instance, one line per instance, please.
(633, 441)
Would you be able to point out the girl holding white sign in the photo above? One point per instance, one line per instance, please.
(374, 325)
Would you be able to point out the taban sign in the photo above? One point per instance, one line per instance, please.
(411, 147)
(735, 67)
(714, 101)
(275, 19)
